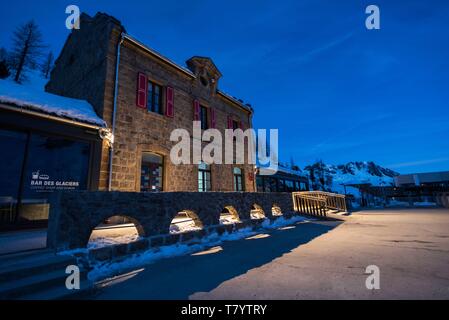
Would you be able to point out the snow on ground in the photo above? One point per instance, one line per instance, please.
(107, 270)
(110, 235)
(31, 95)
(100, 242)
(425, 204)
(180, 225)
(257, 214)
(396, 203)
(228, 219)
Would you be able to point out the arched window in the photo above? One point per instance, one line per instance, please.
(152, 170)
(238, 180)
(204, 172)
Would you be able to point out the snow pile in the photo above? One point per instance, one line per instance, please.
(33, 97)
(285, 168)
(108, 269)
(396, 203)
(425, 204)
(257, 214)
(228, 219)
(101, 242)
(282, 222)
(183, 225)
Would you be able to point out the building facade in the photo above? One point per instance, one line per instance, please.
(143, 97)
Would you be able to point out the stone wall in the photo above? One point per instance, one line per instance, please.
(76, 214)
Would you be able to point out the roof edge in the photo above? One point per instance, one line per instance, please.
(187, 72)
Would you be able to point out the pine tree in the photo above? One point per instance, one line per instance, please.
(4, 66)
(4, 69)
(3, 54)
(27, 49)
(47, 65)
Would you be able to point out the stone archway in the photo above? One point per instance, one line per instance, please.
(115, 230)
(257, 212)
(229, 215)
(185, 221)
(276, 210)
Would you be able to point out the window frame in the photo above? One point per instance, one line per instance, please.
(202, 176)
(151, 106)
(236, 178)
(162, 165)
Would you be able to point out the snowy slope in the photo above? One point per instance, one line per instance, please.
(31, 95)
(332, 177)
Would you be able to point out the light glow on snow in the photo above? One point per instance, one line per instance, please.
(110, 269)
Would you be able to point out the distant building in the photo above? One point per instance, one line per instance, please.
(284, 180)
(430, 179)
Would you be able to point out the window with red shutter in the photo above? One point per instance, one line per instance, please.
(213, 122)
(142, 86)
(230, 124)
(169, 102)
(196, 110)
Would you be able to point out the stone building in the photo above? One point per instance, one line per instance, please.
(143, 96)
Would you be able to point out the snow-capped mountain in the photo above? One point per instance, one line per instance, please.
(332, 177)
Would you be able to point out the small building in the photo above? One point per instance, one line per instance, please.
(429, 179)
(284, 180)
(49, 143)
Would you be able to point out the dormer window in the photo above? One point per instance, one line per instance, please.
(205, 71)
(204, 81)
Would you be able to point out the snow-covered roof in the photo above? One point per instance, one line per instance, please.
(291, 171)
(33, 97)
(269, 171)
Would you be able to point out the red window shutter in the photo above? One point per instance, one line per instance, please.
(230, 122)
(196, 110)
(169, 102)
(213, 121)
(142, 89)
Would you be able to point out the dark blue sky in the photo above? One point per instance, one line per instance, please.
(335, 90)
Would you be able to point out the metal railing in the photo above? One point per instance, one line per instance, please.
(309, 205)
(307, 202)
